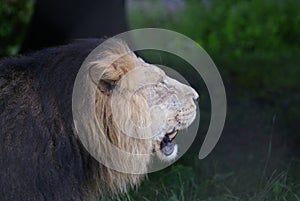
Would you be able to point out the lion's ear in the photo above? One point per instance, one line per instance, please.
(106, 87)
(113, 73)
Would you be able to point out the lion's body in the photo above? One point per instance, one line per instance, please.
(40, 157)
(43, 153)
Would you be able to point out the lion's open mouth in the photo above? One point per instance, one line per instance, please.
(168, 143)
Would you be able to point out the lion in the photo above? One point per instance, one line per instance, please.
(44, 153)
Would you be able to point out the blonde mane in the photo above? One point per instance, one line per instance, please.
(113, 117)
(120, 137)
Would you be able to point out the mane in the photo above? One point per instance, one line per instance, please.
(123, 119)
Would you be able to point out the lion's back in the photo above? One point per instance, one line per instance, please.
(38, 152)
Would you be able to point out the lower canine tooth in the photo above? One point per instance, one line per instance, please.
(171, 136)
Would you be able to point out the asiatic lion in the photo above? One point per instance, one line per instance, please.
(43, 155)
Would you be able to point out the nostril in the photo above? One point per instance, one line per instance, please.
(194, 97)
(193, 94)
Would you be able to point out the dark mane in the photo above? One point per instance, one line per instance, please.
(41, 158)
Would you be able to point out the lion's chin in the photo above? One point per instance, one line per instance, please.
(168, 148)
(170, 156)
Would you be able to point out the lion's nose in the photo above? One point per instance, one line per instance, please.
(194, 95)
(190, 92)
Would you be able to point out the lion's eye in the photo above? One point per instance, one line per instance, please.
(163, 82)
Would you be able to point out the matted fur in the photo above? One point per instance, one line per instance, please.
(41, 157)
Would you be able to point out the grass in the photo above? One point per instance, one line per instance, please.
(179, 183)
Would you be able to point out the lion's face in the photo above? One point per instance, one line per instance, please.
(138, 103)
(168, 105)
(172, 108)
(178, 103)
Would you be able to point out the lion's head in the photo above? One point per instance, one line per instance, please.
(139, 110)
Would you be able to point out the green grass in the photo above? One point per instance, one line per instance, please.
(180, 183)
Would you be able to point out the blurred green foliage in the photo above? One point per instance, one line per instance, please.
(230, 28)
(235, 28)
(14, 17)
